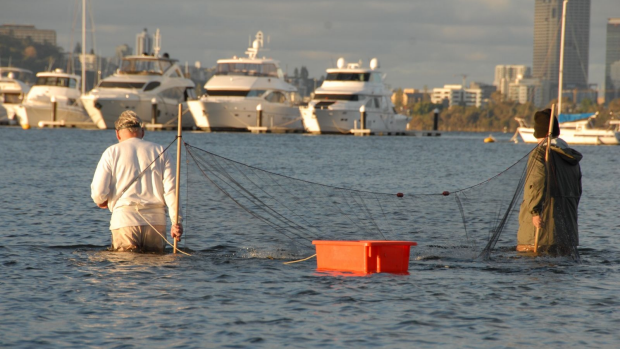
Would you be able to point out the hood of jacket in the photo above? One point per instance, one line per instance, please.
(570, 155)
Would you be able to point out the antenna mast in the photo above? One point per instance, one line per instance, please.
(156, 43)
(561, 77)
(83, 60)
(257, 44)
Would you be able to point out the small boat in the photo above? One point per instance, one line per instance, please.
(577, 129)
(353, 100)
(489, 139)
(14, 85)
(59, 88)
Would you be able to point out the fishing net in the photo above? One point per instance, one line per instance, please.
(231, 203)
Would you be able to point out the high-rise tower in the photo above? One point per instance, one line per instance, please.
(612, 60)
(144, 43)
(547, 26)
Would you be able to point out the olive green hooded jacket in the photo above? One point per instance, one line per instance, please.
(559, 214)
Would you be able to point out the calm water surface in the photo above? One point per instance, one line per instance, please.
(61, 288)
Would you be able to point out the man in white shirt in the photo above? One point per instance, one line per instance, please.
(135, 180)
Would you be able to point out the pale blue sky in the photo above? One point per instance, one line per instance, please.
(418, 42)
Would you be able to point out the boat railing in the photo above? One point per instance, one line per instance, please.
(522, 122)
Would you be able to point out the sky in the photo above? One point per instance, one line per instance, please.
(419, 43)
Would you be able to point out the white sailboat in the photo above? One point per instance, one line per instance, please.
(577, 129)
(348, 93)
(574, 128)
(248, 93)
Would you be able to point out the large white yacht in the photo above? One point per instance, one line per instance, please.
(54, 87)
(243, 87)
(14, 85)
(140, 83)
(347, 93)
(577, 129)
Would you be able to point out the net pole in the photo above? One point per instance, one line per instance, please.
(178, 174)
(546, 164)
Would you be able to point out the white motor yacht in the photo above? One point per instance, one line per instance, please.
(347, 93)
(244, 88)
(60, 88)
(142, 84)
(14, 85)
(577, 129)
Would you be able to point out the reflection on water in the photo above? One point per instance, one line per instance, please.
(62, 288)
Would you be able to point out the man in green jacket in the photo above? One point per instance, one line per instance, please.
(550, 202)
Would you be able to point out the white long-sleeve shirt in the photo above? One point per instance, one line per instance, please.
(122, 163)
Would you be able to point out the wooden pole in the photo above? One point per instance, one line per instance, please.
(553, 111)
(551, 119)
(561, 73)
(54, 108)
(178, 178)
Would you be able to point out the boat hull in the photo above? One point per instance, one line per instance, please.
(327, 121)
(241, 115)
(104, 111)
(577, 137)
(9, 113)
(37, 115)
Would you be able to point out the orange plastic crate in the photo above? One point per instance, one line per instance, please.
(364, 256)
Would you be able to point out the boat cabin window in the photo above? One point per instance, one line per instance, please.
(376, 77)
(276, 97)
(248, 69)
(256, 93)
(294, 97)
(373, 103)
(121, 84)
(227, 93)
(144, 66)
(342, 76)
(21, 75)
(152, 85)
(56, 81)
(190, 94)
(175, 93)
(11, 98)
(336, 97)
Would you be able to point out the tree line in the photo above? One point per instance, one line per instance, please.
(496, 115)
(27, 54)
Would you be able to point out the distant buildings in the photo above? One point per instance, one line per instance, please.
(507, 74)
(525, 90)
(547, 25)
(456, 95)
(515, 83)
(612, 60)
(144, 43)
(20, 31)
(412, 95)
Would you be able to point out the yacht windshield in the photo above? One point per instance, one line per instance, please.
(17, 74)
(341, 76)
(121, 84)
(333, 97)
(56, 81)
(249, 69)
(235, 93)
(144, 66)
